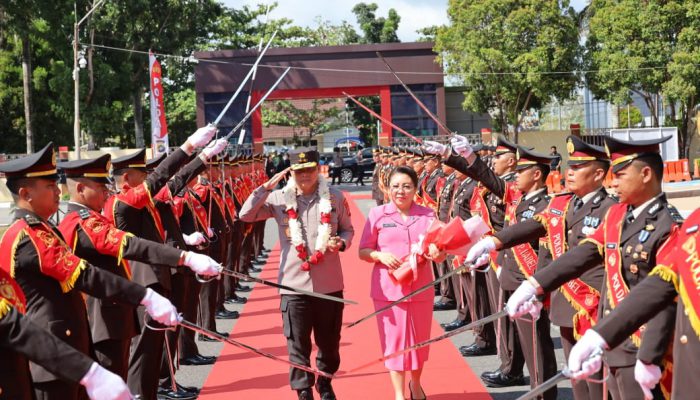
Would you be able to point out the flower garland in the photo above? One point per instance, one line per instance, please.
(324, 229)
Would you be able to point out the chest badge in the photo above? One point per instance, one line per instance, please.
(644, 236)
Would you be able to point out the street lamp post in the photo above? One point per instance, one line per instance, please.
(76, 75)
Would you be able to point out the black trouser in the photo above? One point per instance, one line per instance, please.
(335, 174)
(113, 354)
(510, 352)
(446, 290)
(360, 176)
(187, 344)
(180, 295)
(623, 386)
(583, 390)
(538, 350)
(146, 355)
(302, 315)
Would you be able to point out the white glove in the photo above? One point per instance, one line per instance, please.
(586, 357)
(523, 301)
(102, 384)
(201, 264)
(215, 148)
(436, 148)
(193, 239)
(461, 146)
(202, 136)
(483, 247)
(647, 376)
(210, 232)
(160, 308)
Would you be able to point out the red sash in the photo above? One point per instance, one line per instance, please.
(228, 201)
(478, 207)
(137, 197)
(11, 295)
(616, 286)
(217, 199)
(103, 235)
(54, 256)
(525, 256)
(198, 210)
(582, 297)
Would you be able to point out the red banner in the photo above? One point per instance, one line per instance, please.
(159, 128)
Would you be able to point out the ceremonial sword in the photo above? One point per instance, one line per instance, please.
(408, 296)
(562, 375)
(243, 276)
(214, 335)
(240, 87)
(428, 342)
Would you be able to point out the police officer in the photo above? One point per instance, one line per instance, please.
(672, 283)
(627, 242)
(568, 219)
(307, 266)
(51, 276)
(377, 194)
(489, 202)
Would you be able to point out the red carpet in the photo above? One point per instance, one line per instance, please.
(241, 375)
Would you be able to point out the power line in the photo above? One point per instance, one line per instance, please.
(361, 71)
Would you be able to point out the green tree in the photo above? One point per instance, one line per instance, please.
(322, 116)
(428, 33)
(376, 30)
(327, 34)
(503, 49)
(629, 116)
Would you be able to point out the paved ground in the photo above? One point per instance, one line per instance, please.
(196, 376)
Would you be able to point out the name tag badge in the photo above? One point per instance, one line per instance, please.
(388, 225)
(611, 246)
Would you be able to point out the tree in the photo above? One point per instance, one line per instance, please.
(362, 120)
(376, 30)
(504, 52)
(428, 33)
(629, 116)
(327, 34)
(322, 116)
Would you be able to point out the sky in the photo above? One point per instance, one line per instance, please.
(415, 14)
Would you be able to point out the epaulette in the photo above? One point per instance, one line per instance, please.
(84, 213)
(32, 220)
(598, 198)
(677, 217)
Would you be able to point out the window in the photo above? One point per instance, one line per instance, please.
(214, 103)
(408, 115)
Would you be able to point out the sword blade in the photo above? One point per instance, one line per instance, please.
(285, 287)
(240, 87)
(247, 116)
(214, 335)
(546, 385)
(428, 342)
(410, 92)
(408, 296)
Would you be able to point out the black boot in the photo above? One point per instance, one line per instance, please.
(324, 388)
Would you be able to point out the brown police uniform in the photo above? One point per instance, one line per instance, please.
(577, 301)
(492, 189)
(629, 257)
(303, 314)
(672, 283)
(21, 341)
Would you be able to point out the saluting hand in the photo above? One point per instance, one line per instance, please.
(277, 178)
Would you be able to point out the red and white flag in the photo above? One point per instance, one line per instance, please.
(159, 128)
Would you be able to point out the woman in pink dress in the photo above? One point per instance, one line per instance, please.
(389, 232)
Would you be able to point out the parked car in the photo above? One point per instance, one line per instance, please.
(351, 169)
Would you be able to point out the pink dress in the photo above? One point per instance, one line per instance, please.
(407, 323)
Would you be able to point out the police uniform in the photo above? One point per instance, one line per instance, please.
(566, 221)
(135, 210)
(444, 207)
(377, 194)
(672, 283)
(520, 262)
(96, 240)
(303, 314)
(21, 341)
(488, 201)
(52, 277)
(627, 242)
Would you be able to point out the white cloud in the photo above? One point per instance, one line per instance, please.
(415, 14)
